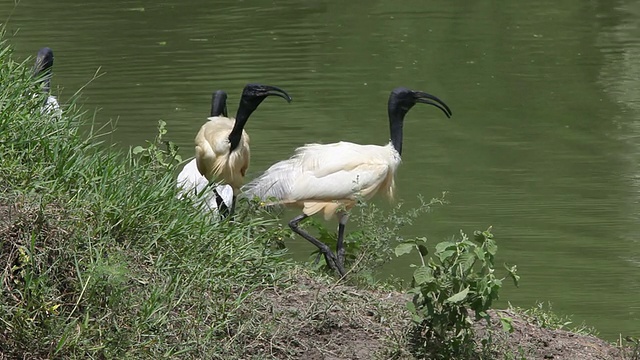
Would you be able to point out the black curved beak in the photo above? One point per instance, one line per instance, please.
(274, 90)
(423, 97)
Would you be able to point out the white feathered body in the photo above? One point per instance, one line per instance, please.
(324, 177)
(52, 107)
(192, 184)
(213, 158)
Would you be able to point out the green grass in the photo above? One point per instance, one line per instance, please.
(99, 258)
(544, 317)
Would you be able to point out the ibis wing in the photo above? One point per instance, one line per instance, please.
(325, 159)
(357, 180)
(328, 172)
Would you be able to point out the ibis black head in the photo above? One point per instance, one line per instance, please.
(219, 103)
(402, 100)
(42, 68)
(44, 61)
(254, 94)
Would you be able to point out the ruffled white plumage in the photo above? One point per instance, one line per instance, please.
(193, 185)
(324, 177)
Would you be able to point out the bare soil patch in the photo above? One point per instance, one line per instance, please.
(315, 319)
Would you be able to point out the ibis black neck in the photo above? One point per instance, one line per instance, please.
(396, 122)
(245, 110)
(219, 104)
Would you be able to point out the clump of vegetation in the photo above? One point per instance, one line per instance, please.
(543, 316)
(372, 245)
(159, 153)
(452, 289)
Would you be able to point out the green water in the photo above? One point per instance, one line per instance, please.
(544, 143)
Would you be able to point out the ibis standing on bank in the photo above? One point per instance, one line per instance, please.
(329, 178)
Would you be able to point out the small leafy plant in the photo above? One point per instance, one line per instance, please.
(372, 235)
(459, 277)
(159, 153)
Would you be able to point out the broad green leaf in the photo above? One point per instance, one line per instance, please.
(411, 306)
(492, 247)
(459, 296)
(444, 245)
(138, 149)
(404, 248)
(507, 323)
(467, 260)
(444, 255)
(414, 291)
(416, 316)
(422, 275)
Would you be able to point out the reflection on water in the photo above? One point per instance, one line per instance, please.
(543, 143)
(620, 79)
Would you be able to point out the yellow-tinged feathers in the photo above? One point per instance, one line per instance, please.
(213, 156)
(222, 145)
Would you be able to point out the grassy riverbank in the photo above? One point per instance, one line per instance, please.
(100, 260)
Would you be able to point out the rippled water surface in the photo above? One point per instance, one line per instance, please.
(544, 143)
